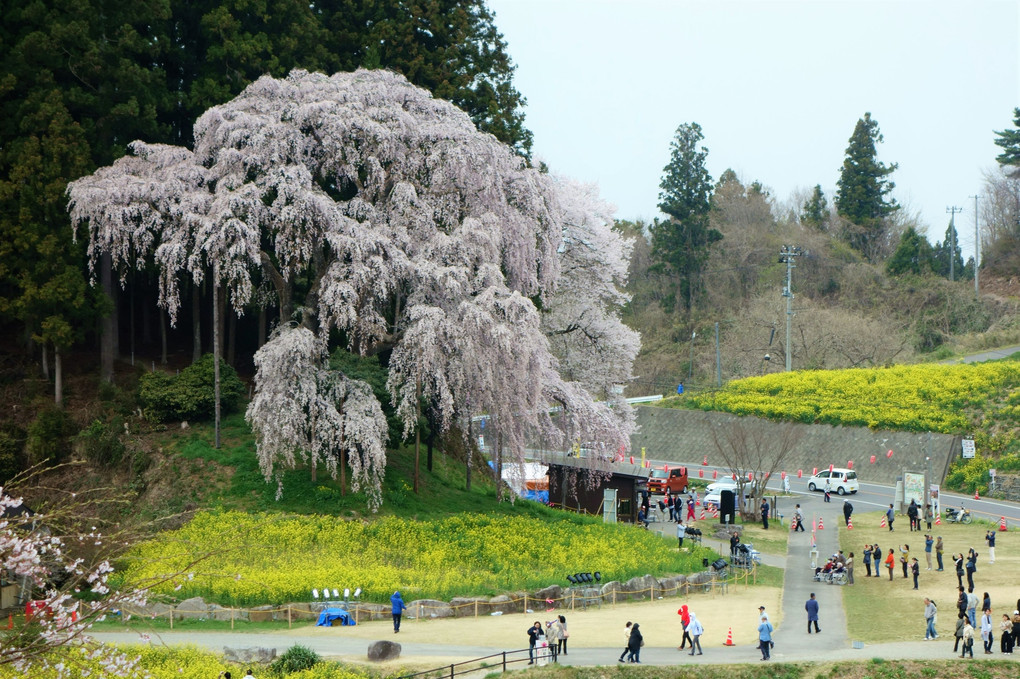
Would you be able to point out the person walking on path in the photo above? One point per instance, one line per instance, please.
(564, 636)
(929, 618)
(890, 516)
(681, 531)
(690, 508)
(928, 544)
(848, 509)
(762, 613)
(397, 608)
(867, 561)
(685, 619)
(986, 630)
(938, 551)
(968, 639)
(915, 570)
(798, 517)
(990, 539)
(626, 640)
(696, 630)
(811, 606)
(961, 622)
(635, 643)
(765, 514)
(765, 637)
(890, 563)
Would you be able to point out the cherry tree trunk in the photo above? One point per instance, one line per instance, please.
(58, 382)
(216, 355)
(196, 323)
(108, 326)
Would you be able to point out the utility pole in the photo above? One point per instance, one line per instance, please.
(787, 256)
(977, 245)
(952, 210)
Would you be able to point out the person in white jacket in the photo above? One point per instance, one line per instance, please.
(986, 630)
(695, 629)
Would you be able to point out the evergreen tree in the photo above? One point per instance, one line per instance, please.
(913, 255)
(863, 187)
(1009, 141)
(944, 251)
(815, 209)
(681, 242)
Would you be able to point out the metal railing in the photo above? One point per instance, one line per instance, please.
(475, 664)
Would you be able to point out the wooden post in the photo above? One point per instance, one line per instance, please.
(171, 619)
(572, 597)
(290, 618)
(356, 614)
(476, 608)
(231, 617)
(525, 602)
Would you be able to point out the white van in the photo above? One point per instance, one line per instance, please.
(841, 481)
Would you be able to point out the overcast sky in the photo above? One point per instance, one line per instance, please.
(777, 88)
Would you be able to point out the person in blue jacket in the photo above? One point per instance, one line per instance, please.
(398, 609)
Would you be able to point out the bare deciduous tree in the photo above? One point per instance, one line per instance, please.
(753, 450)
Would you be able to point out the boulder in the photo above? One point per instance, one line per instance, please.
(217, 612)
(467, 607)
(642, 587)
(381, 651)
(552, 592)
(673, 585)
(263, 656)
(261, 614)
(191, 609)
(430, 608)
(700, 578)
(612, 591)
(503, 604)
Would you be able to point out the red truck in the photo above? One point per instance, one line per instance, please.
(673, 479)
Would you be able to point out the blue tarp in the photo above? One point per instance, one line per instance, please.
(327, 617)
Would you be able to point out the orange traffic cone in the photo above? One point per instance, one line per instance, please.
(938, 520)
(882, 525)
(849, 524)
(702, 513)
(976, 496)
(820, 526)
(1002, 523)
(729, 638)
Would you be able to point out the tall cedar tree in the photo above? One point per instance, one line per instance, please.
(1009, 142)
(815, 209)
(863, 187)
(681, 242)
(942, 252)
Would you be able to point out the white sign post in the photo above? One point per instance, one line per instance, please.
(968, 448)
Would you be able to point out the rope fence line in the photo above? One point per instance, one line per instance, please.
(576, 598)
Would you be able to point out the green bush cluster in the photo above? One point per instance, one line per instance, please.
(189, 395)
(49, 436)
(296, 659)
(12, 449)
(100, 443)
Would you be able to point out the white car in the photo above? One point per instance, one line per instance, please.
(841, 481)
(712, 493)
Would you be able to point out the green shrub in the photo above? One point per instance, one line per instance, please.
(49, 436)
(296, 659)
(189, 395)
(12, 451)
(100, 443)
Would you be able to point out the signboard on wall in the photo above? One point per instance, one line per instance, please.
(913, 488)
(968, 448)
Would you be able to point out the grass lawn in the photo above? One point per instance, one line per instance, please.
(879, 610)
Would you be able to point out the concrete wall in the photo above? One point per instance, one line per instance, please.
(686, 436)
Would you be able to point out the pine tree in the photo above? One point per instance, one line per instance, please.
(681, 242)
(1009, 141)
(946, 250)
(913, 255)
(815, 209)
(863, 187)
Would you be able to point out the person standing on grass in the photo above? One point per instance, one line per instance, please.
(765, 514)
(812, 613)
(681, 531)
(928, 544)
(990, 539)
(912, 514)
(890, 563)
(890, 516)
(867, 560)
(972, 603)
(765, 637)
(849, 565)
(915, 570)
(958, 562)
(938, 551)
(905, 558)
(397, 608)
(928, 516)
(971, 568)
(876, 554)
